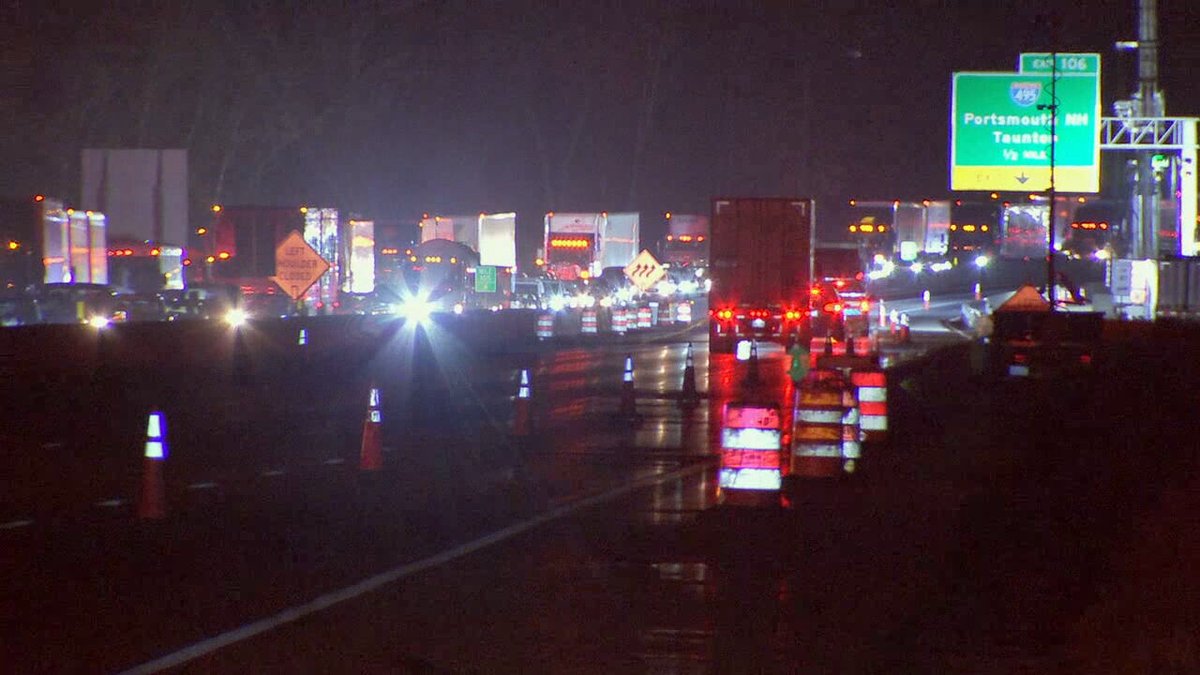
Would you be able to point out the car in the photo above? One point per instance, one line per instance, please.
(840, 308)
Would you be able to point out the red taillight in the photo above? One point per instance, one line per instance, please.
(833, 307)
(722, 314)
(1085, 359)
(1019, 358)
(865, 306)
(814, 291)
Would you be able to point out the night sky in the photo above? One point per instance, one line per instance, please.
(391, 109)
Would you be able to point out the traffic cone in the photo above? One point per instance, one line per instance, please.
(752, 370)
(689, 395)
(628, 400)
(152, 501)
(370, 458)
(522, 424)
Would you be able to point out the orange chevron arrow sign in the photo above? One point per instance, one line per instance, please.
(645, 271)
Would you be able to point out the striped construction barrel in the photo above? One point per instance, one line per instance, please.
(545, 326)
(817, 425)
(871, 386)
(588, 322)
(644, 318)
(750, 472)
(620, 320)
(851, 434)
(683, 312)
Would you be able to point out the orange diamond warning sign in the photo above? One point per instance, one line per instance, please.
(645, 271)
(297, 265)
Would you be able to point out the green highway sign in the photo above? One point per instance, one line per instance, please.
(1068, 64)
(485, 279)
(1000, 132)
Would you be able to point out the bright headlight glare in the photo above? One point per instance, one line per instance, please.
(416, 309)
(99, 321)
(236, 317)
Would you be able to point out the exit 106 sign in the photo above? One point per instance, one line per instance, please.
(1001, 131)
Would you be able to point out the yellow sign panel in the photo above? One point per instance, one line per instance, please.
(645, 271)
(1024, 179)
(297, 265)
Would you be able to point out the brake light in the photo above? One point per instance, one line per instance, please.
(833, 307)
(723, 314)
(839, 283)
(814, 291)
(865, 306)
(792, 315)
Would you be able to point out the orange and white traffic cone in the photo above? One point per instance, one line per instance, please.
(689, 396)
(522, 423)
(152, 500)
(752, 376)
(628, 399)
(370, 457)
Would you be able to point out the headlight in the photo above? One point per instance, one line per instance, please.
(458, 308)
(236, 318)
(688, 286)
(916, 267)
(982, 261)
(557, 303)
(99, 322)
(415, 308)
(666, 287)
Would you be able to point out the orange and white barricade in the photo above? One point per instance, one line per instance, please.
(817, 432)
(545, 326)
(683, 312)
(644, 318)
(750, 472)
(588, 322)
(871, 388)
(620, 320)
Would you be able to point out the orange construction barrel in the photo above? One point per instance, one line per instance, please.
(871, 387)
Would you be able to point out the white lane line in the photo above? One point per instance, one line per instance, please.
(111, 503)
(274, 472)
(370, 584)
(335, 460)
(202, 486)
(15, 524)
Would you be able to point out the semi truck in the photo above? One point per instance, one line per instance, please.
(571, 243)
(761, 266)
(44, 242)
(686, 241)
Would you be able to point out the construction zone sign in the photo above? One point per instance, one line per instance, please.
(297, 266)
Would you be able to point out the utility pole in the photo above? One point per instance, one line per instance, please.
(1052, 193)
(1148, 102)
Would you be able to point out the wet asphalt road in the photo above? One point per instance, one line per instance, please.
(972, 542)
